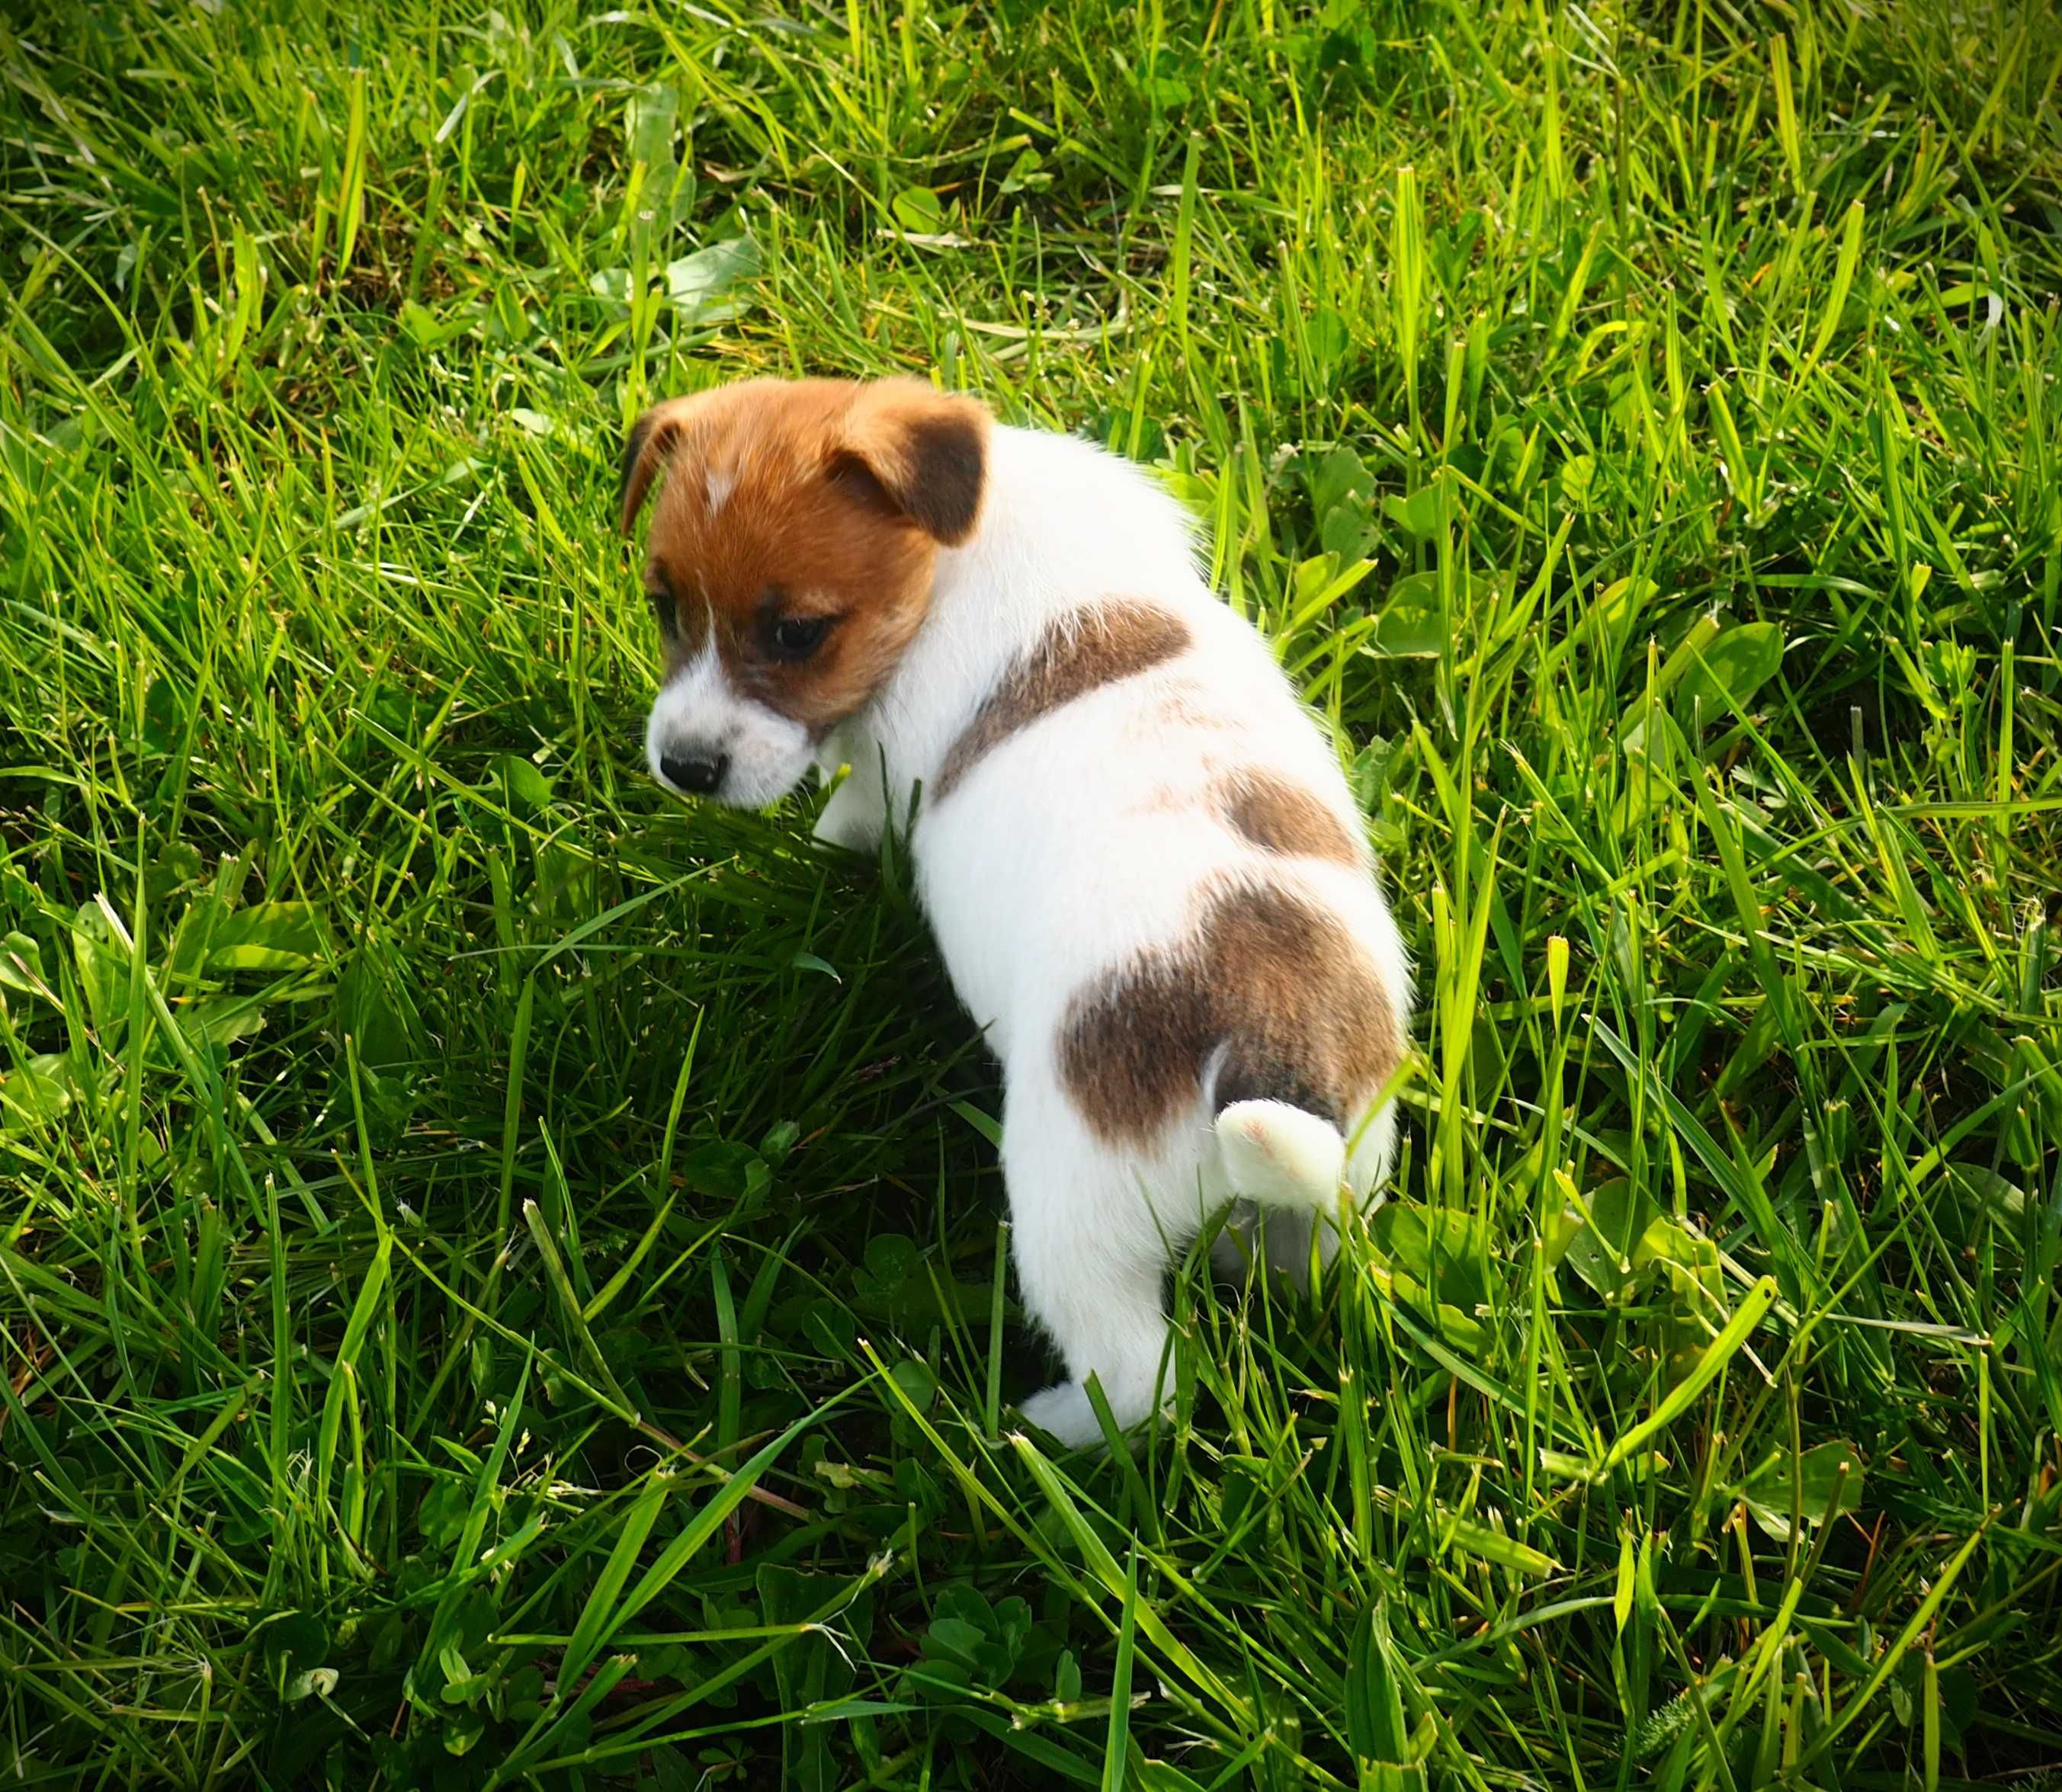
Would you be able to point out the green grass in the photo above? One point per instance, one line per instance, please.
(499, 1275)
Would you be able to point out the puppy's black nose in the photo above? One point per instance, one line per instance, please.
(698, 775)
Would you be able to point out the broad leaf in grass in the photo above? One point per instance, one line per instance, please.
(1689, 1269)
(374, 1006)
(1417, 517)
(22, 967)
(696, 284)
(427, 330)
(1655, 752)
(101, 965)
(442, 1515)
(1348, 528)
(919, 209)
(269, 936)
(1824, 1482)
(891, 1259)
(164, 722)
(724, 1170)
(1987, 1196)
(1342, 500)
(1375, 1725)
(1576, 478)
(1026, 173)
(649, 123)
(1728, 672)
(664, 191)
(1434, 1244)
(1602, 1249)
(1328, 340)
(1370, 776)
(527, 786)
(1436, 1261)
(1340, 474)
(222, 1021)
(987, 1639)
(1616, 610)
(36, 1094)
(1411, 626)
(463, 1730)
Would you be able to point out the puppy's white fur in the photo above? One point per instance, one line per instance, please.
(1078, 841)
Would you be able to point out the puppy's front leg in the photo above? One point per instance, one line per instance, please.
(1090, 1263)
(858, 808)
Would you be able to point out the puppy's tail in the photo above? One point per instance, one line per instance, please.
(1282, 1155)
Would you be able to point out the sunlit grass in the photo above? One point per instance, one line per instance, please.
(499, 1275)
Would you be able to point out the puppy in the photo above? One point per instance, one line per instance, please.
(1148, 880)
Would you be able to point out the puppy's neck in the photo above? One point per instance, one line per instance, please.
(1064, 526)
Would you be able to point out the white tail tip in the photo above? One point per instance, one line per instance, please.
(1274, 1152)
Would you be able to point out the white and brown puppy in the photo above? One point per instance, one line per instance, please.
(1148, 878)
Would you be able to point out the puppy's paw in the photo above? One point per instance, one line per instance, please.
(1064, 1411)
(848, 827)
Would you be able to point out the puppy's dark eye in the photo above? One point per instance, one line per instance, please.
(664, 611)
(797, 637)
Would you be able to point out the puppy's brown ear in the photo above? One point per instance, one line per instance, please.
(926, 451)
(646, 449)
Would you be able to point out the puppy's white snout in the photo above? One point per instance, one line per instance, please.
(685, 754)
(686, 743)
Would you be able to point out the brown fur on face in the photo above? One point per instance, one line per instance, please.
(789, 501)
(1279, 816)
(1296, 1006)
(1117, 639)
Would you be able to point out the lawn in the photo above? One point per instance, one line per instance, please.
(500, 1277)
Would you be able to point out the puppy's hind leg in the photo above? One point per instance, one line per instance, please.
(1090, 1262)
(1103, 1310)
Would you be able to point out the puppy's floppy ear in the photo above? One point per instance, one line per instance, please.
(646, 449)
(926, 451)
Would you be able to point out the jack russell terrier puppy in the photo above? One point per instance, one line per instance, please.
(1148, 877)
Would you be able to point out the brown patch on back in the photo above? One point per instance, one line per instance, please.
(1296, 1004)
(1279, 816)
(797, 499)
(1078, 654)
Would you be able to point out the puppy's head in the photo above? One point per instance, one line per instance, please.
(791, 552)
